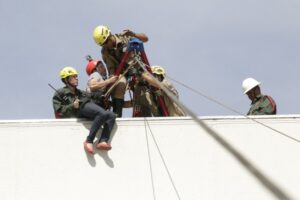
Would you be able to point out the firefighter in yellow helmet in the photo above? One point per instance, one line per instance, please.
(160, 74)
(101, 34)
(71, 102)
(113, 49)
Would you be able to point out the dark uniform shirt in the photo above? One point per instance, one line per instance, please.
(63, 101)
(112, 57)
(262, 105)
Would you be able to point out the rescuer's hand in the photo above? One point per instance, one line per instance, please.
(113, 79)
(76, 104)
(132, 72)
(129, 33)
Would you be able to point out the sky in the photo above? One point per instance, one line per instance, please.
(209, 45)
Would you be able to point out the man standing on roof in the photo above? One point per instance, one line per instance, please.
(71, 102)
(114, 47)
(260, 104)
(159, 73)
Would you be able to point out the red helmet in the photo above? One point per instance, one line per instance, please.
(91, 66)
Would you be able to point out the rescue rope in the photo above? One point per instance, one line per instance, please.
(149, 160)
(116, 83)
(233, 110)
(263, 179)
(163, 160)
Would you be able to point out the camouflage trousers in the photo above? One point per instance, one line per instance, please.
(144, 104)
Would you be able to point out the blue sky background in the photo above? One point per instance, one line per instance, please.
(210, 45)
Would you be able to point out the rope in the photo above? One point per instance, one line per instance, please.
(163, 160)
(116, 83)
(233, 110)
(252, 169)
(150, 164)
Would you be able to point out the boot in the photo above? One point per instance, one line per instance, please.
(118, 106)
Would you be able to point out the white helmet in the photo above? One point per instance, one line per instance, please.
(249, 84)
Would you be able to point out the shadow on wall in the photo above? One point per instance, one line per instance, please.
(103, 154)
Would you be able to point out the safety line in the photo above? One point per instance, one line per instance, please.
(149, 160)
(233, 110)
(263, 179)
(163, 160)
(116, 83)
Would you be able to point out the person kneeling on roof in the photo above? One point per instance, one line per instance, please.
(71, 102)
(159, 73)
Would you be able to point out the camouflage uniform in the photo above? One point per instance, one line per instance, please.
(144, 105)
(63, 102)
(113, 57)
(262, 105)
(172, 107)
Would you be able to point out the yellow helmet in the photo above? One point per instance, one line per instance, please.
(67, 71)
(100, 34)
(158, 70)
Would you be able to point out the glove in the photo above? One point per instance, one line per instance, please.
(129, 33)
(133, 72)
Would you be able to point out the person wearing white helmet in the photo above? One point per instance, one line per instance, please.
(113, 50)
(71, 102)
(260, 104)
(160, 74)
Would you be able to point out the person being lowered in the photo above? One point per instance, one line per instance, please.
(71, 102)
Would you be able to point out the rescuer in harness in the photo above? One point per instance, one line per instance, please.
(159, 73)
(113, 49)
(71, 102)
(144, 104)
(260, 104)
(98, 82)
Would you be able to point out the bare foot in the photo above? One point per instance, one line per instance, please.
(103, 146)
(89, 147)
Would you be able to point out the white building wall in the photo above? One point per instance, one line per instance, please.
(45, 159)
